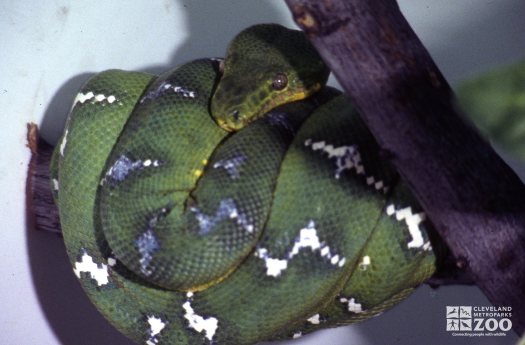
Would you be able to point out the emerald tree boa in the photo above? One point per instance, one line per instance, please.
(233, 201)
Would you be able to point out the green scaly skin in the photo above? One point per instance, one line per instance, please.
(182, 233)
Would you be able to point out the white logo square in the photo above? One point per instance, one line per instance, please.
(452, 324)
(452, 311)
(465, 312)
(465, 324)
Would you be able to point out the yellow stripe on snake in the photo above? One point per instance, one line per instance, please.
(233, 201)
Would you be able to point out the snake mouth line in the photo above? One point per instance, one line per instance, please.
(277, 100)
(284, 98)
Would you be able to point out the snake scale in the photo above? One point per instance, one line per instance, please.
(191, 218)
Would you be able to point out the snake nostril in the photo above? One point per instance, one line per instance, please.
(236, 115)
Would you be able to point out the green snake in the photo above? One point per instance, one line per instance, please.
(233, 201)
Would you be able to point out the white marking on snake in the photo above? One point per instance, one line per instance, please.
(274, 267)
(412, 221)
(164, 87)
(98, 272)
(297, 335)
(156, 325)
(55, 184)
(363, 265)
(346, 158)
(148, 162)
(353, 306)
(112, 261)
(184, 92)
(147, 245)
(314, 320)
(199, 323)
(63, 143)
(231, 165)
(123, 166)
(83, 97)
(307, 238)
(227, 210)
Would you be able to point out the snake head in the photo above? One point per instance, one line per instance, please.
(266, 66)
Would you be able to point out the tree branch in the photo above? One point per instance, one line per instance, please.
(40, 197)
(476, 202)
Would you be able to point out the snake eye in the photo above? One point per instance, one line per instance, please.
(280, 81)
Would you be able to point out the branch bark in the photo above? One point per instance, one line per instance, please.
(476, 202)
(40, 197)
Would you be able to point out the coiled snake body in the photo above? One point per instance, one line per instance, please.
(184, 233)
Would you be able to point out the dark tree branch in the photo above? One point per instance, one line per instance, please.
(476, 202)
(40, 198)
